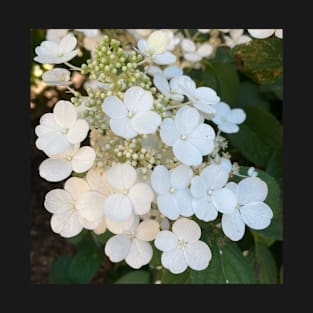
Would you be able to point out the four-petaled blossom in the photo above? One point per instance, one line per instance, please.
(250, 210)
(227, 119)
(57, 76)
(174, 198)
(202, 97)
(265, 33)
(58, 130)
(52, 52)
(210, 196)
(190, 138)
(236, 37)
(155, 48)
(130, 198)
(132, 245)
(193, 53)
(182, 247)
(70, 210)
(60, 166)
(134, 115)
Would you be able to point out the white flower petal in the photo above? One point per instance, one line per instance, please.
(222, 111)
(66, 224)
(184, 200)
(161, 83)
(237, 116)
(233, 225)
(168, 131)
(47, 125)
(261, 33)
(140, 253)
(187, 119)
(58, 201)
(183, 85)
(157, 41)
(164, 58)
(192, 56)
(143, 46)
(89, 224)
(101, 227)
(279, 33)
(68, 43)
(90, 205)
(147, 230)
(252, 189)
(203, 139)
(78, 132)
(117, 248)
(57, 76)
(181, 176)
(188, 45)
(141, 196)
(205, 108)
(137, 99)
(121, 176)
(123, 127)
(53, 144)
(146, 122)
(168, 206)
(207, 95)
(166, 240)
(76, 186)
(83, 159)
(224, 200)
(186, 229)
(98, 181)
(160, 179)
(215, 175)
(174, 260)
(55, 170)
(198, 187)
(204, 209)
(152, 70)
(187, 153)
(228, 127)
(114, 107)
(121, 227)
(257, 214)
(198, 255)
(205, 50)
(117, 207)
(234, 188)
(65, 114)
(172, 71)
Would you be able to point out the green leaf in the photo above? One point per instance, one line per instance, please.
(227, 266)
(86, 262)
(77, 239)
(266, 270)
(169, 278)
(258, 137)
(135, 277)
(223, 78)
(225, 55)
(59, 270)
(273, 90)
(261, 60)
(103, 238)
(274, 200)
(249, 95)
(275, 165)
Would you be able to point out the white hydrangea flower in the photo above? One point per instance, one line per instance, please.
(71, 212)
(130, 198)
(173, 40)
(60, 166)
(57, 77)
(174, 197)
(154, 48)
(169, 72)
(52, 52)
(210, 196)
(202, 97)
(58, 130)
(236, 37)
(190, 138)
(182, 247)
(56, 34)
(164, 87)
(192, 53)
(265, 33)
(133, 244)
(89, 32)
(250, 210)
(227, 119)
(134, 115)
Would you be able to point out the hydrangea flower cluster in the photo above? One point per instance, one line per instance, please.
(155, 165)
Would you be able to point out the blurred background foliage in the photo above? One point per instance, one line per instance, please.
(246, 76)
